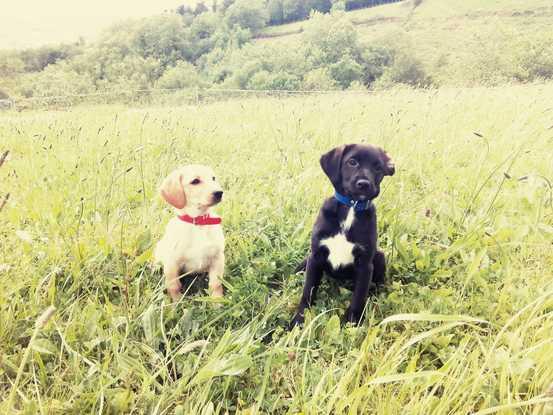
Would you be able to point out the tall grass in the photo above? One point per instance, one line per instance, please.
(465, 325)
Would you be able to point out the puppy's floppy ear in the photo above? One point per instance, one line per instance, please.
(331, 163)
(389, 166)
(172, 191)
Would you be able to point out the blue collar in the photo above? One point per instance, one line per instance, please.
(357, 205)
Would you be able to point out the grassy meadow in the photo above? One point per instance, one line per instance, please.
(465, 324)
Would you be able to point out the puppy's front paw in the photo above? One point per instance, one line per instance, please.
(296, 321)
(217, 292)
(175, 292)
(353, 316)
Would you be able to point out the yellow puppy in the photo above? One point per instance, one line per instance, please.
(193, 241)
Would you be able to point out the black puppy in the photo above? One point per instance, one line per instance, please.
(344, 238)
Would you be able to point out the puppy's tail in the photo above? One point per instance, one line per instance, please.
(302, 266)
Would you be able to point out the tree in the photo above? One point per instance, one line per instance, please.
(294, 10)
(322, 6)
(329, 37)
(248, 14)
(184, 9)
(204, 26)
(284, 11)
(200, 8)
(276, 12)
(37, 59)
(161, 37)
(10, 64)
(226, 4)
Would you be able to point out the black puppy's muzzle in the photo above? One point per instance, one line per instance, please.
(364, 185)
(365, 189)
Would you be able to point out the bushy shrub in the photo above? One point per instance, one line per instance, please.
(375, 61)
(243, 64)
(511, 56)
(182, 75)
(281, 80)
(331, 42)
(533, 58)
(346, 71)
(319, 80)
(55, 80)
(328, 55)
(357, 86)
(406, 70)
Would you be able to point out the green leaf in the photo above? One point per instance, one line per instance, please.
(332, 328)
(431, 317)
(186, 348)
(149, 323)
(231, 366)
(44, 346)
(402, 377)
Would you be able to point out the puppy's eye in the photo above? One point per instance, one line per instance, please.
(353, 163)
(213, 178)
(195, 181)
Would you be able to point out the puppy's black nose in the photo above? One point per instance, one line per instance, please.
(218, 195)
(363, 184)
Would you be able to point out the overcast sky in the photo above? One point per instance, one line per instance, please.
(25, 23)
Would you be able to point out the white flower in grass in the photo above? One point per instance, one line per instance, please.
(4, 268)
(24, 236)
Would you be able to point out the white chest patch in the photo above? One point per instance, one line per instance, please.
(346, 225)
(340, 250)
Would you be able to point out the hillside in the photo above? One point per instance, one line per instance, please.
(444, 35)
(428, 43)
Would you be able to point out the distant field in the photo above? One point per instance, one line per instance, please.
(401, 13)
(465, 326)
(444, 35)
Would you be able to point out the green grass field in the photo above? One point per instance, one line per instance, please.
(464, 326)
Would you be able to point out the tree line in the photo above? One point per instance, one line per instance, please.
(215, 47)
(208, 47)
(287, 11)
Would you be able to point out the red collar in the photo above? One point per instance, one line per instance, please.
(200, 220)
